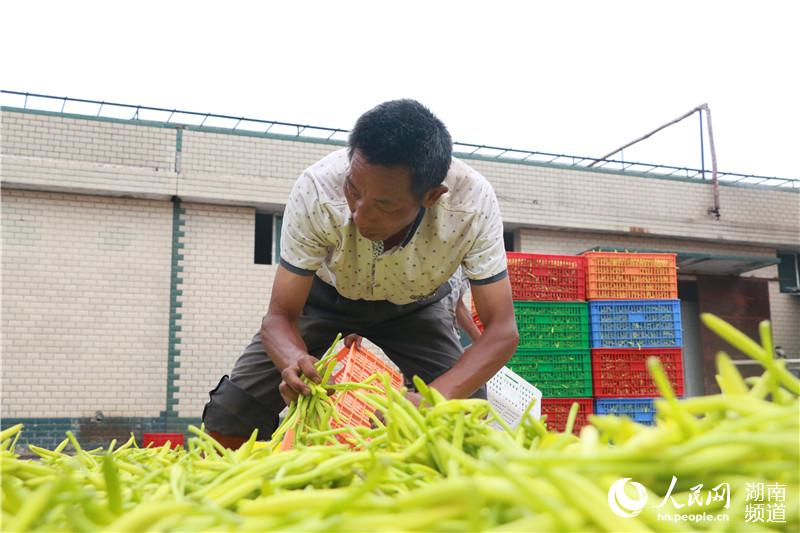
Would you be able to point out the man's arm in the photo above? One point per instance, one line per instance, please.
(465, 322)
(280, 334)
(487, 355)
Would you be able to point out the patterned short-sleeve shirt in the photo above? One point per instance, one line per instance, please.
(462, 228)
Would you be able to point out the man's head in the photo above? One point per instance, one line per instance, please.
(399, 156)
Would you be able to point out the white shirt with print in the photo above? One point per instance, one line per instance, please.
(462, 228)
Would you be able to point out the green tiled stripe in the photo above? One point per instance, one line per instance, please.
(92, 433)
(176, 281)
(178, 149)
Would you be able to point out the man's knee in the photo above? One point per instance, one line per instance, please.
(233, 413)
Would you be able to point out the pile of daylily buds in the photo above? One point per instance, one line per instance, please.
(725, 462)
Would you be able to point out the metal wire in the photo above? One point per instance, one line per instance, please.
(464, 149)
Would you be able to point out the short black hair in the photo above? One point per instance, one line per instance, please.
(405, 132)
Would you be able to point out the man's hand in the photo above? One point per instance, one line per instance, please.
(292, 385)
(281, 337)
(414, 397)
(350, 339)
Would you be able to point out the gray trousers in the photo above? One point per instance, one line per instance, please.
(418, 337)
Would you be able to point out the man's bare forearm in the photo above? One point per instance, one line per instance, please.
(465, 322)
(482, 360)
(281, 340)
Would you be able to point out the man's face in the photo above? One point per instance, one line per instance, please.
(380, 198)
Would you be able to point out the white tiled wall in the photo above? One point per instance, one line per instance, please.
(87, 231)
(85, 308)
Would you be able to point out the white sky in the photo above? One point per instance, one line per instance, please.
(577, 78)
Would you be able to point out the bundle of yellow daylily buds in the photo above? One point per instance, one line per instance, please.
(725, 462)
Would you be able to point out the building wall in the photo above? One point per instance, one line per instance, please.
(585, 200)
(85, 305)
(225, 295)
(249, 170)
(243, 170)
(89, 237)
(60, 153)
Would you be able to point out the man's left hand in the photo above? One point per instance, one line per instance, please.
(414, 397)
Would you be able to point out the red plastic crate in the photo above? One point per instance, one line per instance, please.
(475, 317)
(622, 372)
(630, 276)
(159, 439)
(557, 411)
(553, 278)
(356, 368)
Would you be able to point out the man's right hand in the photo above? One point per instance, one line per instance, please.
(292, 385)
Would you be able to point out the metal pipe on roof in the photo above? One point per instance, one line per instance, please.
(783, 183)
(702, 148)
(714, 180)
(643, 137)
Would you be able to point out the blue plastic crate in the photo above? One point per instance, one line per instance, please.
(635, 324)
(639, 410)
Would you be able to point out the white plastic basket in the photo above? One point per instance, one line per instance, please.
(510, 395)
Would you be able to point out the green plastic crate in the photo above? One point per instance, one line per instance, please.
(557, 374)
(552, 325)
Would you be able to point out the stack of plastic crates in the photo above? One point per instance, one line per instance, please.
(634, 314)
(549, 293)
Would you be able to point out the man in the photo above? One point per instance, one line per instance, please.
(370, 236)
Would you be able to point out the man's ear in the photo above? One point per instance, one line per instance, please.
(433, 195)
